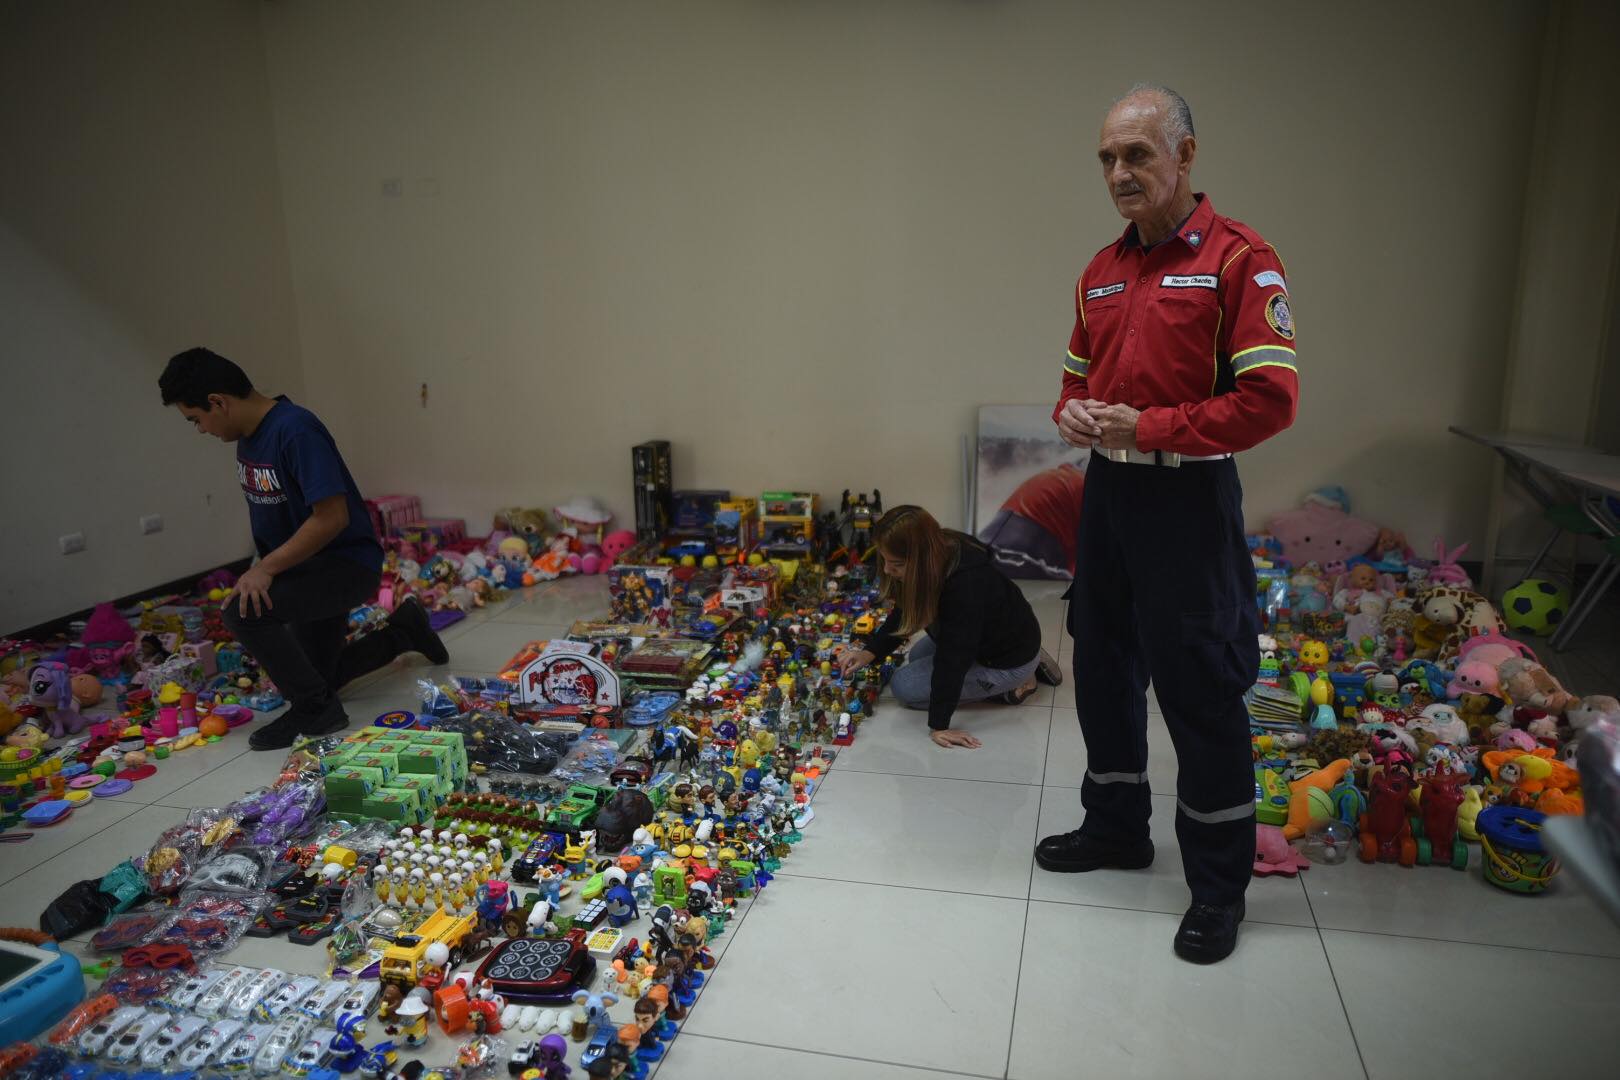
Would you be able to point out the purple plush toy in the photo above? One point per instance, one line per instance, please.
(50, 688)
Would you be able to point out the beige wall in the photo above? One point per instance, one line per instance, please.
(139, 215)
(804, 241)
(1563, 372)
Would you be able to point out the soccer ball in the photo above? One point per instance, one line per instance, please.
(1534, 606)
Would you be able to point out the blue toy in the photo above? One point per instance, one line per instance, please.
(621, 905)
(42, 985)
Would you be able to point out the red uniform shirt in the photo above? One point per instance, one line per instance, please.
(1196, 333)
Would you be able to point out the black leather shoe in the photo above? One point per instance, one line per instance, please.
(1074, 853)
(329, 720)
(1209, 932)
(411, 619)
(279, 733)
(1048, 671)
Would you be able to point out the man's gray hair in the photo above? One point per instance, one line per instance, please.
(1178, 122)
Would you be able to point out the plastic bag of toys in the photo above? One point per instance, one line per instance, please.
(131, 929)
(500, 744)
(181, 848)
(244, 868)
(272, 816)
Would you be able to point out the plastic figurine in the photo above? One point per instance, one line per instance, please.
(411, 1020)
(621, 905)
(550, 1056)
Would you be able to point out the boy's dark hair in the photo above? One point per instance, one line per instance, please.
(194, 374)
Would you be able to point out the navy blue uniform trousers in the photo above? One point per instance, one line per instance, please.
(1165, 590)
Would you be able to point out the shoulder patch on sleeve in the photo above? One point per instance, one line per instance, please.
(1255, 240)
(1280, 316)
(1270, 277)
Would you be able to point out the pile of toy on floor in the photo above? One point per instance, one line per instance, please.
(1396, 714)
(91, 714)
(524, 874)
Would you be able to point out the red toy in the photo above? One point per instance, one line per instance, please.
(1386, 834)
(1436, 823)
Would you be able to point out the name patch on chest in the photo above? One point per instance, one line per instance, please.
(1105, 290)
(1188, 281)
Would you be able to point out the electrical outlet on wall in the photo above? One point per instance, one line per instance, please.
(393, 187)
(151, 523)
(71, 543)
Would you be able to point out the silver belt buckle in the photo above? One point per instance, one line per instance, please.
(1168, 458)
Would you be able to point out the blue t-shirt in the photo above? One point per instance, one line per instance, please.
(287, 465)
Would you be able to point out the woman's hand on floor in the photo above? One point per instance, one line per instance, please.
(853, 661)
(952, 737)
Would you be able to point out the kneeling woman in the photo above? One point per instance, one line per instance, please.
(983, 643)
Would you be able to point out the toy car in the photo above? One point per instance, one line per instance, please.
(129, 1045)
(632, 770)
(214, 999)
(285, 997)
(282, 1042)
(240, 1053)
(208, 1045)
(319, 1002)
(167, 1044)
(358, 1003)
(183, 998)
(249, 993)
(308, 1057)
(75, 1023)
(94, 1042)
(526, 867)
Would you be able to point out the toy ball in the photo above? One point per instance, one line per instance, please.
(1534, 606)
(216, 595)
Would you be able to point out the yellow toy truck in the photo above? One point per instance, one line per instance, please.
(402, 961)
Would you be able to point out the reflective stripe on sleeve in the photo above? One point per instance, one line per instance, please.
(1117, 777)
(1263, 356)
(1218, 817)
(1076, 365)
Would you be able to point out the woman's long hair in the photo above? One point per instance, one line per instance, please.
(910, 535)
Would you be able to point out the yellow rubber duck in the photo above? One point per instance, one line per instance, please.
(1468, 812)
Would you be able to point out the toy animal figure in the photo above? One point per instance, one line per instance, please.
(1468, 811)
(590, 1013)
(528, 525)
(1528, 683)
(1386, 834)
(1308, 801)
(1445, 570)
(1473, 677)
(1322, 532)
(1274, 855)
(1441, 795)
(51, 688)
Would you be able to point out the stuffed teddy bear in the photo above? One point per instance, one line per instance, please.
(529, 525)
(1582, 713)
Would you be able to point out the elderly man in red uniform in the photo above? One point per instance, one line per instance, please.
(1182, 355)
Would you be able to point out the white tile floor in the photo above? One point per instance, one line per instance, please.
(911, 935)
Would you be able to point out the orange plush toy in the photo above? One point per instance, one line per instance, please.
(1536, 779)
(1299, 795)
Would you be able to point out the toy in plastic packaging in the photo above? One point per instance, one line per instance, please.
(480, 1056)
(125, 884)
(141, 985)
(131, 929)
(181, 848)
(204, 935)
(197, 903)
(272, 816)
(241, 869)
(499, 744)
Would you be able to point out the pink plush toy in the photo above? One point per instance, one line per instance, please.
(1274, 855)
(1445, 571)
(51, 688)
(615, 544)
(1321, 534)
(1473, 677)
